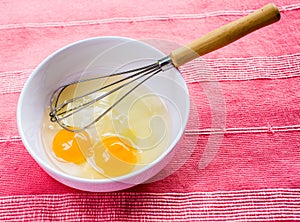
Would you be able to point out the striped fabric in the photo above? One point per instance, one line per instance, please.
(240, 160)
(243, 205)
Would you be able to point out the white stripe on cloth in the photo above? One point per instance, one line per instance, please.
(244, 205)
(250, 68)
(221, 69)
(208, 131)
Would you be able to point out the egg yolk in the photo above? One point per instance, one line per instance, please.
(115, 156)
(121, 149)
(67, 145)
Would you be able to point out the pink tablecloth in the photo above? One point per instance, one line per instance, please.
(241, 153)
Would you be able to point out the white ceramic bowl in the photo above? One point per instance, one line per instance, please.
(109, 52)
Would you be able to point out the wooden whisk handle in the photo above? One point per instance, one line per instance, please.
(226, 34)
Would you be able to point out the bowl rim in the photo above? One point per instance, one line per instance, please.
(44, 165)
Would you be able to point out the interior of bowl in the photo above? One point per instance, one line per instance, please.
(103, 53)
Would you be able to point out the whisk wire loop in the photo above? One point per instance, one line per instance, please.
(59, 112)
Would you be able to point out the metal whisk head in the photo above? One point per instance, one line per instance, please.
(63, 108)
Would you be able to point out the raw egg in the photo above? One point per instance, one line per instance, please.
(67, 145)
(121, 149)
(129, 137)
(115, 156)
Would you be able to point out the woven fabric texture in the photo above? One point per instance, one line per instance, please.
(244, 167)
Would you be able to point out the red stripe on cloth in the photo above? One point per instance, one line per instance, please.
(47, 12)
(243, 205)
(164, 17)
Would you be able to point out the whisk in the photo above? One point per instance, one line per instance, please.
(216, 39)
